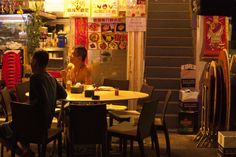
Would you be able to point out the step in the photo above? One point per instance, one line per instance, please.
(164, 83)
(162, 93)
(168, 1)
(169, 32)
(169, 51)
(168, 61)
(169, 6)
(156, 71)
(168, 15)
(172, 108)
(169, 41)
(168, 23)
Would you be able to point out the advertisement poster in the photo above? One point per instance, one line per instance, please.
(107, 34)
(77, 8)
(215, 35)
(105, 8)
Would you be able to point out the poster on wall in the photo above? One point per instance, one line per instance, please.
(77, 8)
(107, 34)
(104, 8)
(215, 35)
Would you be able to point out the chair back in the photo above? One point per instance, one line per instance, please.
(166, 102)
(121, 84)
(27, 123)
(146, 89)
(6, 99)
(21, 89)
(87, 124)
(146, 119)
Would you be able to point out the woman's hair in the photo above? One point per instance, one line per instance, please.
(81, 52)
(41, 57)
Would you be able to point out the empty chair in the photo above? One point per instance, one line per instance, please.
(21, 89)
(125, 115)
(28, 128)
(144, 128)
(160, 123)
(87, 125)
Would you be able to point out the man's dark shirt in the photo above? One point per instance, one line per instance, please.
(44, 92)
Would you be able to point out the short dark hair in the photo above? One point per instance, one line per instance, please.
(82, 52)
(41, 57)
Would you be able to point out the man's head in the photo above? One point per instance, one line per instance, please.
(80, 52)
(39, 61)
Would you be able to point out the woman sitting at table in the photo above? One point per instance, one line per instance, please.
(77, 71)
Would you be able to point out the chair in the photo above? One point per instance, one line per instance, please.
(21, 89)
(160, 123)
(87, 125)
(6, 100)
(125, 115)
(144, 128)
(121, 84)
(28, 128)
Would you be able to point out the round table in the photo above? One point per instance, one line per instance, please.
(106, 96)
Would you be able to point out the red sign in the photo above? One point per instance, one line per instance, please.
(215, 35)
(81, 32)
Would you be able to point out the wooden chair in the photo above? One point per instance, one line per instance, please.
(28, 128)
(160, 123)
(144, 128)
(125, 115)
(87, 125)
(21, 89)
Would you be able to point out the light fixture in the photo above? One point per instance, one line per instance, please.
(54, 5)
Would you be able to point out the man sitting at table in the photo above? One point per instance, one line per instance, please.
(44, 91)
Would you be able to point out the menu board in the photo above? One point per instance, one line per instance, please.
(77, 8)
(107, 34)
(104, 8)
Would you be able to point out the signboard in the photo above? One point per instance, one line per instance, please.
(105, 8)
(136, 24)
(215, 35)
(107, 33)
(77, 8)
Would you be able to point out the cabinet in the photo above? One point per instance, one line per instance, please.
(57, 58)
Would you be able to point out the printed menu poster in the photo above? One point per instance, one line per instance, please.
(215, 35)
(105, 8)
(107, 34)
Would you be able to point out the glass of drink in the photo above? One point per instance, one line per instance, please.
(68, 85)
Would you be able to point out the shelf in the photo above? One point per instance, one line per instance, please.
(56, 58)
(52, 49)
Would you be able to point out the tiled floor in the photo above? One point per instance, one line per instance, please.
(181, 146)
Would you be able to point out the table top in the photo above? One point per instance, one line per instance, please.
(106, 96)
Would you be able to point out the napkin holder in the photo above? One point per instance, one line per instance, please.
(89, 93)
(78, 89)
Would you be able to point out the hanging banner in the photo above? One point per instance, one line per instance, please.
(81, 31)
(215, 35)
(105, 8)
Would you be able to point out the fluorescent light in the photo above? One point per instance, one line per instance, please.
(54, 5)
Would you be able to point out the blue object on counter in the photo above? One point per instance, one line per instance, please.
(61, 41)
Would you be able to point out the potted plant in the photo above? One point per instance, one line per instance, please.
(33, 29)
